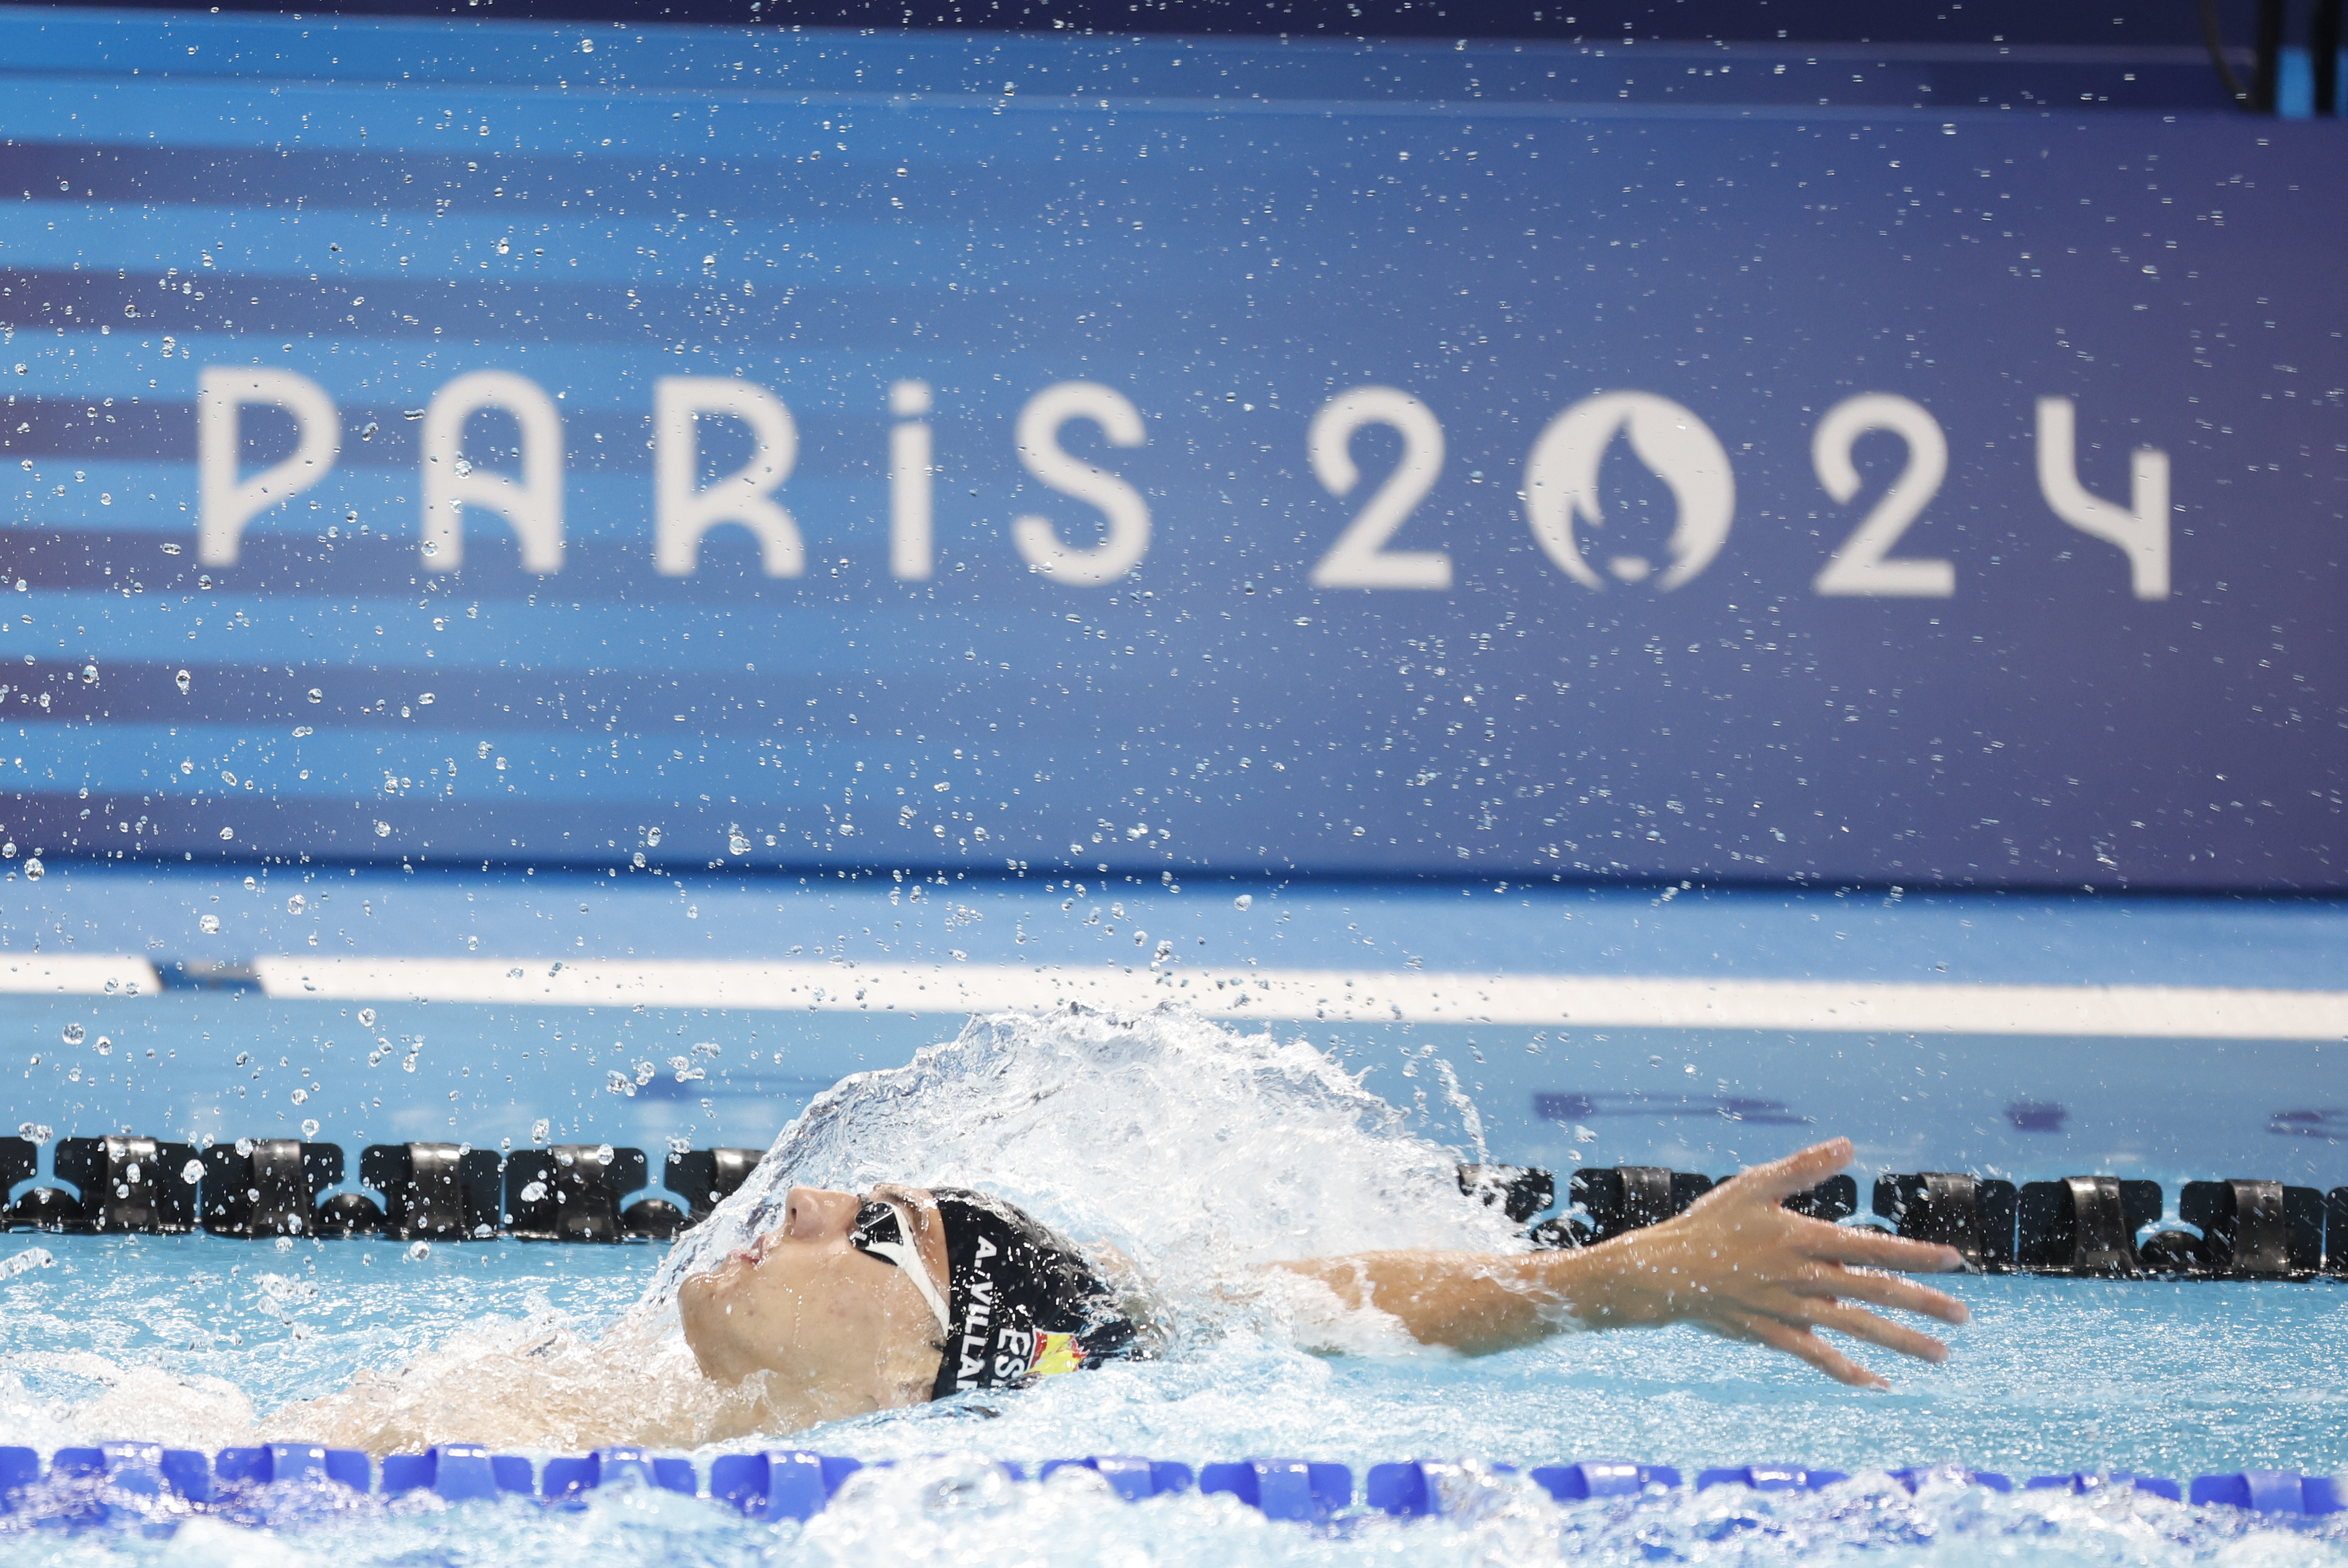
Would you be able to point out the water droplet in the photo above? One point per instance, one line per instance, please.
(653, 837)
(245, 1147)
(1246, 900)
(417, 1251)
(317, 695)
(183, 680)
(541, 1130)
(534, 1193)
(310, 1129)
(105, 1047)
(74, 1034)
(34, 1131)
(736, 844)
(34, 870)
(209, 925)
(192, 1171)
(367, 1018)
(227, 833)
(296, 905)
(383, 830)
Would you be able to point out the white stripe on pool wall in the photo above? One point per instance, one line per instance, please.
(2174, 1012)
(77, 974)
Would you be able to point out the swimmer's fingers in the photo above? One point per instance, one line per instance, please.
(1864, 1246)
(1798, 1172)
(1860, 1323)
(1808, 1347)
(1881, 1290)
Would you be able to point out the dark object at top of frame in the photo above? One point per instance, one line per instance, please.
(2144, 24)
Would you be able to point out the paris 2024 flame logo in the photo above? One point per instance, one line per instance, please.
(1562, 484)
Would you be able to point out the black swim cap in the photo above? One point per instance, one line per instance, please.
(1022, 1300)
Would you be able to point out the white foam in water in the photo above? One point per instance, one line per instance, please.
(1202, 1152)
(1197, 1150)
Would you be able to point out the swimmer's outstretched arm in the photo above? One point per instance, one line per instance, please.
(1737, 1263)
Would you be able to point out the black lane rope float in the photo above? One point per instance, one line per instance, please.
(2103, 1227)
(2085, 1227)
(271, 1187)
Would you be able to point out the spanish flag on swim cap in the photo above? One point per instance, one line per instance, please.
(1022, 1302)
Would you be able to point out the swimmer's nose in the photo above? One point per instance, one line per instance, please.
(817, 1213)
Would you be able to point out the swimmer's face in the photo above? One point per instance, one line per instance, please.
(842, 1332)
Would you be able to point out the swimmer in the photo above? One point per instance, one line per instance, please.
(860, 1303)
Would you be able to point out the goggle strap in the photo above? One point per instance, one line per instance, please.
(908, 1263)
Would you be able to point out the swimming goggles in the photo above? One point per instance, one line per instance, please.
(880, 1231)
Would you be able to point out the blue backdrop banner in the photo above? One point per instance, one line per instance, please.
(606, 446)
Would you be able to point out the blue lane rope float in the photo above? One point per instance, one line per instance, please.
(1770, 1478)
(2271, 1492)
(780, 1484)
(566, 1478)
(1282, 1488)
(1131, 1479)
(457, 1471)
(2083, 1483)
(1411, 1490)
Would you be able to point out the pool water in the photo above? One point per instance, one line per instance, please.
(1269, 1149)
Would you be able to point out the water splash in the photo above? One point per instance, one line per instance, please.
(1197, 1152)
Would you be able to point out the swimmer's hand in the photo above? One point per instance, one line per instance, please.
(1741, 1265)
(1738, 1262)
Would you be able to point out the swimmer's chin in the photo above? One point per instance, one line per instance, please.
(529, 1385)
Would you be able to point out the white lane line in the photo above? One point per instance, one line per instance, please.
(2173, 1012)
(77, 974)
